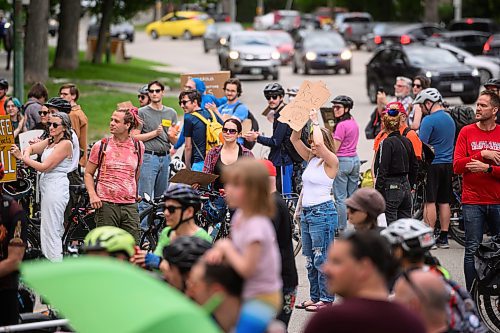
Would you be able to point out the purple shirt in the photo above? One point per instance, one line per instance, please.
(347, 132)
(267, 276)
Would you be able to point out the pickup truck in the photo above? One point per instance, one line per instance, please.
(354, 27)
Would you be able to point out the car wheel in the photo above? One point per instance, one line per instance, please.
(358, 46)
(372, 92)
(205, 48)
(275, 76)
(484, 75)
(187, 35)
(469, 99)
(348, 69)
(154, 34)
(294, 68)
(307, 71)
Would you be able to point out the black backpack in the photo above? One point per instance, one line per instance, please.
(255, 127)
(462, 116)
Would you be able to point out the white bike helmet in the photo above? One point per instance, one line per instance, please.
(429, 94)
(412, 235)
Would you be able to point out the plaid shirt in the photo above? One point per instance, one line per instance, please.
(213, 156)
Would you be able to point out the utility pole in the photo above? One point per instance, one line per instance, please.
(260, 7)
(18, 51)
(457, 4)
(232, 10)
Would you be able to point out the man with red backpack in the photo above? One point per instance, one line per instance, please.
(117, 160)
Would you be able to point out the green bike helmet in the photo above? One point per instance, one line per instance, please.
(109, 239)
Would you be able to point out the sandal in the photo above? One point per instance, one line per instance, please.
(304, 304)
(317, 306)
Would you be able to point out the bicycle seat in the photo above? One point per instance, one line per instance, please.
(78, 189)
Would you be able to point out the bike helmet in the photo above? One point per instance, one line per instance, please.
(492, 83)
(185, 194)
(185, 251)
(4, 84)
(274, 89)
(110, 239)
(429, 94)
(143, 90)
(58, 103)
(346, 101)
(412, 235)
(292, 91)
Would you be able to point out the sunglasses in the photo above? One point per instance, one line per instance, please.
(157, 91)
(43, 113)
(269, 97)
(417, 85)
(141, 96)
(337, 107)
(229, 130)
(182, 103)
(55, 125)
(172, 209)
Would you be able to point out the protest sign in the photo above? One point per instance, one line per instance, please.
(6, 141)
(214, 82)
(190, 177)
(26, 137)
(310, 96)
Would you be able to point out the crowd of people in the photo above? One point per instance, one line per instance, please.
(358, 272)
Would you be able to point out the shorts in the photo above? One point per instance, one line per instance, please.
(438, 187)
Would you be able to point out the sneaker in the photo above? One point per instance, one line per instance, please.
(434, 247)
(442, 243)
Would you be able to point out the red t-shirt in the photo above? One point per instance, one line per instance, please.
(478, 188)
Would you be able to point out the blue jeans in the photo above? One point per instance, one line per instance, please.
(318, 224)
(255, 316)
(198, 166)
(153, 179)
(475, 218)
(284, 178)
(344, 185)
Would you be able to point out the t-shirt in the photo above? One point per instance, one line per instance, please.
(164, 240)
(411, 135)
(117, 181)
(195, 129)
(347, 132)
(79, 124)
(2, 103)
(267, 275)
(13, 231)
(357, 315)
(478, 188)
(237, 110)
(151, 119)
(283, 227)
(438, 131)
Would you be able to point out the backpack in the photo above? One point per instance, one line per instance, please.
(374, 126)
(213, 131)
(462, 116)
(255, 127)
(427, 153)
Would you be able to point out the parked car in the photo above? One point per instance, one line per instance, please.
(322, 50)
(471, 41)
(373, 39)
(476, 24)
(492, 46)
(281, 19)
(410, 33)
(185, 24)
(451, 77)
(284, 43)
(217, 34)
(123, 30)
(250, 52)
(354, 26)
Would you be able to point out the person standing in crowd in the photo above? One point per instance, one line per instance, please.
(13, 241)
(37, 96)
(359, 268)
(319, 216)
(363, 208)
(420, 82)
(279, 154)
(402, 93)
(117, 161)
(252, 250)
(143, 96)
(233, 107)
(13, 108)
(79, 121)
(345, 139)
(477, 158)
(57, 155)
(438, 131)
(395, 167)
(109, 241)
(157, 133)
(43, 124)
(283, 227)
(494, 85)
(4, 87)
(197, 84)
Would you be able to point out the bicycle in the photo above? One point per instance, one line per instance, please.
(155, 220)
(212, 216)
(291, 201)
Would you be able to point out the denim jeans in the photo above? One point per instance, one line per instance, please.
(397, 195)
(475, 218)
(153, 179)
(318, 224)
(344, 185)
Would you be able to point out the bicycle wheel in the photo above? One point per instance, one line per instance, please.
(33, 247)
(149, 238)
(488, 306)
(296, 235)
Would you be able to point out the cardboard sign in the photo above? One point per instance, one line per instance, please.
(189, 177)
(26, 137)
(6, 141)
(310, 96)
(328, 117)
(214, 82)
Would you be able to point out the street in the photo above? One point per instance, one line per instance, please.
(187, 56)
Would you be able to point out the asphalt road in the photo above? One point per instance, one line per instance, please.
(187, 56)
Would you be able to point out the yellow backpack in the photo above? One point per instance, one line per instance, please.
(214, 136)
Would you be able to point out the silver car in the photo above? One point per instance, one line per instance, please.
(250, 52)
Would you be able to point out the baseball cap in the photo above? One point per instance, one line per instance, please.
(393, 108)
(271, 169)
(367, 200)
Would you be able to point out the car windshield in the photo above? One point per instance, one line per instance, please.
(323, 41)
(431, 56)
(357, 19)
(279, 38)
(251, 40)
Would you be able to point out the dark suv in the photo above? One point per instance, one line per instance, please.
(451, 77)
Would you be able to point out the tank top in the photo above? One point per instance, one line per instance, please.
(62, 168)
(316, 185)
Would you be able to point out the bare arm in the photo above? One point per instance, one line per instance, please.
(36, 148)
(329, 157)
(90, 169)
(188, 152)
(417, 117)
(149, 135)
(13, 260)
(300, 147)
(245, 263)
(61, 151)
(336, 145)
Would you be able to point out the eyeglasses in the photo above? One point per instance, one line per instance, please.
(400, 86)
(417, 85)
(154, 91)
(269, 97)
(337, 107)
(184, 102)
(141, 96)
(229, 130)
(55, 125)
(43, 113)
(172, 209)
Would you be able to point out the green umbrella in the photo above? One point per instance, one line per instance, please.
(105, 295)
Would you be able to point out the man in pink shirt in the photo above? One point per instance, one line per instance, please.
(117, 160)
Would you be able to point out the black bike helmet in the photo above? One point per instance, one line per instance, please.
(492, 83)
(185, 251)
(143, 90)
(58, 103)
(344, 100)
(4, 84)
(185, 194)
(274, 89)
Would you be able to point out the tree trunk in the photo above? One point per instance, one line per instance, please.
(431, 11)
(67, 40)
(107, 14)
(36, 52)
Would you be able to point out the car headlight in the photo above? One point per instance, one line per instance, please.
(475, 72)
(430, 74)
(222, 41)
(275, 55)
(346, 55)
(311, 56)
(234, 55)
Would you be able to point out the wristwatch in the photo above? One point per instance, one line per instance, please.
(490, 169)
